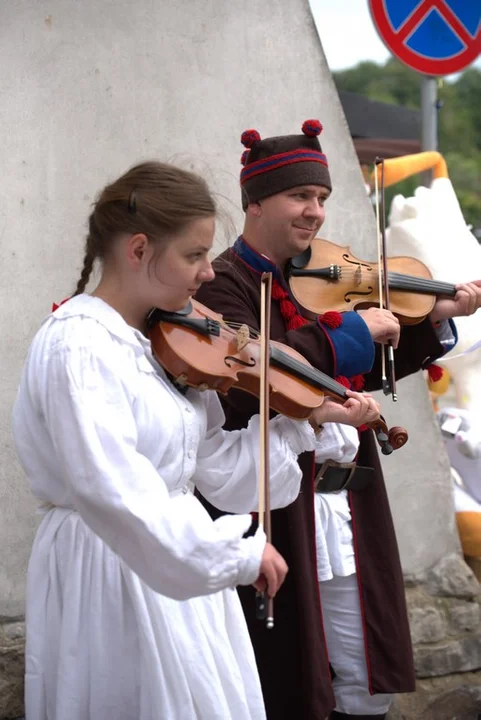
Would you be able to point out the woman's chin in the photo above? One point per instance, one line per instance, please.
(175, 305)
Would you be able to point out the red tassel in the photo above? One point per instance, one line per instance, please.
(358, 382)
(342, 380)
(296, 322)
(278, 292)
(362, 428)
(435, 372)
(288, 310)
(332, 319)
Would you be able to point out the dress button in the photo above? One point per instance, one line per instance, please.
(191, 454)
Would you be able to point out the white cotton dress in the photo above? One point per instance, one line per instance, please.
(132, 612)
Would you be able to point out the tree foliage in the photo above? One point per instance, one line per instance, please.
(459, 121)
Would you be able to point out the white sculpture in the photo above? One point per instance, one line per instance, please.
(430, 227)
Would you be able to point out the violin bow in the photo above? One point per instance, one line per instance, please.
(265, 604)
(388, 383)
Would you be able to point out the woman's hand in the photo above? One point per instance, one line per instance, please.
(272, 572)
(359, 409)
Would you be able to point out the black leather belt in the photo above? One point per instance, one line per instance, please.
(334, 477)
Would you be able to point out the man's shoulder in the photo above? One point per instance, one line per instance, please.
(229, 267)
(234, 282)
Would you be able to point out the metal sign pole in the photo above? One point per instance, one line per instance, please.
(429, 118)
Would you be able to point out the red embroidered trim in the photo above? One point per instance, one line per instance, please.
(273, 162)
(361, 595)
(55, 306)
(314, 569)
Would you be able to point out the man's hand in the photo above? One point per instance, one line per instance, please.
(466, 301)
(382, 325)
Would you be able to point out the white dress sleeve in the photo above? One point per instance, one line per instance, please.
(337, 442)
(228, 462)
(172, 544)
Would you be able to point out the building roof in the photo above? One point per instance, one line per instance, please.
(372, 119)
(381, 129)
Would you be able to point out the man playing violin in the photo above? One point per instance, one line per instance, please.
(341, 645)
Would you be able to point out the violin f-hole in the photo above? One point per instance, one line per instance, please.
(234, 360)
(347, 258)
(355, 293)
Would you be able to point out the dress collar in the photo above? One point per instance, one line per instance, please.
(85, 305)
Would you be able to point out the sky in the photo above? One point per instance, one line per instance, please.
(347, 33)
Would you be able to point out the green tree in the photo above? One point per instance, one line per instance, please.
(459, 122)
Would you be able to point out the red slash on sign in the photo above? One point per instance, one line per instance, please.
(434, 37)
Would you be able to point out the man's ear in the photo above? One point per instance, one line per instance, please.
(255, 209)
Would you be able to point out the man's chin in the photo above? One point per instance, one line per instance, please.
(299, 244)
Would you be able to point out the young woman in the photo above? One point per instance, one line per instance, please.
(132, 612)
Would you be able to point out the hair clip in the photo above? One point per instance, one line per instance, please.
(132, 203)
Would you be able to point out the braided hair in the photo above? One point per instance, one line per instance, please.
(153, 198)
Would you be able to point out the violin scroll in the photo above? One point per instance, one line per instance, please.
(389, 439)
(398, 437)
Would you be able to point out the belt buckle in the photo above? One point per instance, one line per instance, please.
(332, 463)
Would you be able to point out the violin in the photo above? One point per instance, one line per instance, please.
(200, 350)
(329, 277)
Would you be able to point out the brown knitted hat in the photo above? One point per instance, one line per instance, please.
(279, 163)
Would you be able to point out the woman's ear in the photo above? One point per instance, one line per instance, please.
(137, 247)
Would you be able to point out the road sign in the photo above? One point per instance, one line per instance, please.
(434, 37)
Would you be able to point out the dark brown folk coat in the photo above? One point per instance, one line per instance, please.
(292, 658)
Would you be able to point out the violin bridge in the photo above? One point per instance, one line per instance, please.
(242, 337)
(358, 275)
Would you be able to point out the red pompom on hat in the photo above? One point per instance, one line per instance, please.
(244, 157)
(249, 138)
(312, 128)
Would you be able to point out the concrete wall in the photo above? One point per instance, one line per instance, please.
(89, 88)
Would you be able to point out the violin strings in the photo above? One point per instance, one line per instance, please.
(284, 361)
(401, 281)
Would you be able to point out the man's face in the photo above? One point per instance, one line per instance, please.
(290, 220)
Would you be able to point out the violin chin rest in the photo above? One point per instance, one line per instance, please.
(300, 261)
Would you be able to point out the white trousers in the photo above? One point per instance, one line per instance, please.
(345, 643)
